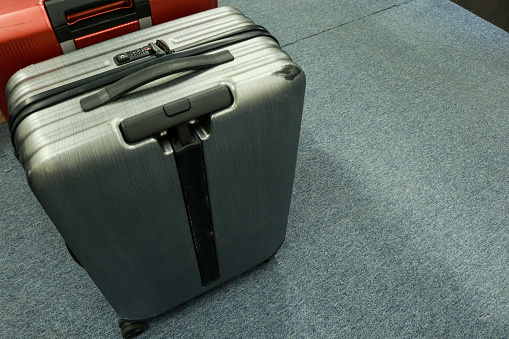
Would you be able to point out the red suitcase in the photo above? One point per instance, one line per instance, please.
(35, 30)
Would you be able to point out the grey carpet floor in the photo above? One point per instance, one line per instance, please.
(399, 220)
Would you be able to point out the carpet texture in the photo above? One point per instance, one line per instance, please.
(399, 220)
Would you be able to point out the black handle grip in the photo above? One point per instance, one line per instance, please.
(146, 124)
(144, 76)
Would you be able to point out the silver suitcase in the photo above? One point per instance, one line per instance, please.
(166, 157)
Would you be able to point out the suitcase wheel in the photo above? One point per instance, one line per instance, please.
(129, 329)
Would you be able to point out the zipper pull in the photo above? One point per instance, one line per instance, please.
(164, 46)
(155, 47)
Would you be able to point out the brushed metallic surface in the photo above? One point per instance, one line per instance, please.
(120, 207)
(250, 155)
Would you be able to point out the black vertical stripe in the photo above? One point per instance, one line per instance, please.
(193, 180)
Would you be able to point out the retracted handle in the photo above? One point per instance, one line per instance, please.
(149, 74)
(176, 114)
(72, 19)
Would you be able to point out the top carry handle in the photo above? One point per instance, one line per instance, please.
(140, 78)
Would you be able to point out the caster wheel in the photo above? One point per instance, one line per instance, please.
(130, 330)
(121, 322)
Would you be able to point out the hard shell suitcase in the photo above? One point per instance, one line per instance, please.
(61, 26)
(164, 191)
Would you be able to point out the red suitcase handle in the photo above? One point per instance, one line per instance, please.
(79, 23)
(103, 9)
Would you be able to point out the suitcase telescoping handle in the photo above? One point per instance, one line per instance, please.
(176, 114)
(152, 73)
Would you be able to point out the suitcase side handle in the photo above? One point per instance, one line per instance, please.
(175, 114)
(152, 73)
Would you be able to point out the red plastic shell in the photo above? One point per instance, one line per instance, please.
(165, 10)
(106, 34)
(26, 37)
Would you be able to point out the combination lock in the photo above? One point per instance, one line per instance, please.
(139, 53)
(157, 49)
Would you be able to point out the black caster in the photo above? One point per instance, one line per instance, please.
(129, 329)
